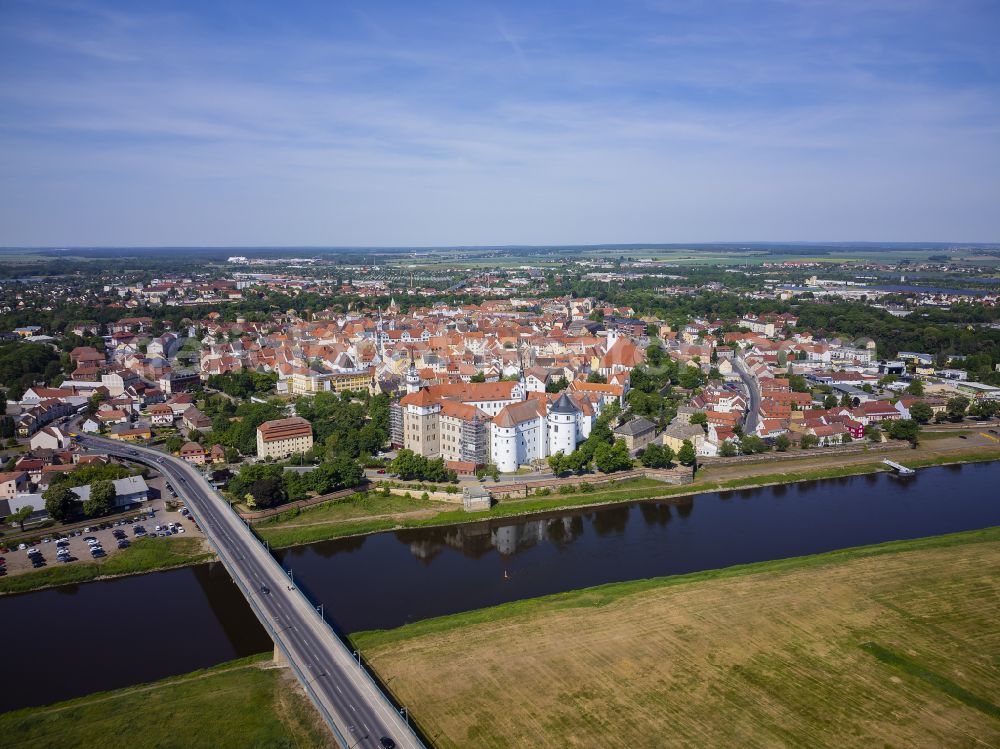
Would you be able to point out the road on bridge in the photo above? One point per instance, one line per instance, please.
(357, 711)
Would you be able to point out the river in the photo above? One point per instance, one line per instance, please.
(70, 641)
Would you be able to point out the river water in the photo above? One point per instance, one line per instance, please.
(74, 640)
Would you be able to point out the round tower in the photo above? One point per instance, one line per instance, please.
(561, 423)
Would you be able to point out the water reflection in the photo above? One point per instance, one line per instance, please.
(389, 579)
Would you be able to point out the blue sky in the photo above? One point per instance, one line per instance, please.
(431, 123)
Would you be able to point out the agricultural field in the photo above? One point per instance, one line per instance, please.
(889, 645)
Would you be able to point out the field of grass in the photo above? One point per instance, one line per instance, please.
(239, 704)
(144, 555)
(355, 506)
(888, 645)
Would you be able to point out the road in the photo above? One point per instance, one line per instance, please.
(356, 710)
(753, 393)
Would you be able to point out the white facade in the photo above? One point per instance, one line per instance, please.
(562, 428)
(518, 445)
(520, 436)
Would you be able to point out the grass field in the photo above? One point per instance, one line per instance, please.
(890, 645)
(349, 508)
(238, 705)
(144, 555)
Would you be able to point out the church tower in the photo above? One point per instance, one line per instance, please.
(412, 377)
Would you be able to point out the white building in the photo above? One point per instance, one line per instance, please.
(534, 429)
(50, 438)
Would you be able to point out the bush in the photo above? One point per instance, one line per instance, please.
(586, 487)
(425, 496)
(567, 489)
(543, 492)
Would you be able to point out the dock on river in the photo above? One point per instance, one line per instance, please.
(900, 469)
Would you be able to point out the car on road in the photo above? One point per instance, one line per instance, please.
(387, 743)
(32, 551)
(133, 452)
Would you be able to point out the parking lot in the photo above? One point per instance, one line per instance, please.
(18, 561)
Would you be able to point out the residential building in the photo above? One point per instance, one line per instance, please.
(637, 433)
(193, 453)
(282, 438)
(12, 483)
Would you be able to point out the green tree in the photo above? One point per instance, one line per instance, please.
(478, 377)
(174, 443)
(727, 449)
(956, 407)
(60, 502)
(751, 444)
(101, 499)
(699, 418)
(556, 386)
(20, 516)
(916, 387)
(267, 492)
(904, 429)
(597, 378)
(612, 458)
(830, 401)
(782, 443)
(686, 455)
(657, 455)
(921, 412)
(557, 463)
(808, 440)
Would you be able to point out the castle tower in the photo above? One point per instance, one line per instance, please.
(561, 423)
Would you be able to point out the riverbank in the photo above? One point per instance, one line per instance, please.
(238, 704)
(144, 555)
(898, 650)
(371, 513)
(282, 532)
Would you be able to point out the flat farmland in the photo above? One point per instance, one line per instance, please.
(889, 645)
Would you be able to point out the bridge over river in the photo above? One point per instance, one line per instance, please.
(357, 711)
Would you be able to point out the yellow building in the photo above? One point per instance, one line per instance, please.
(282, 438)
